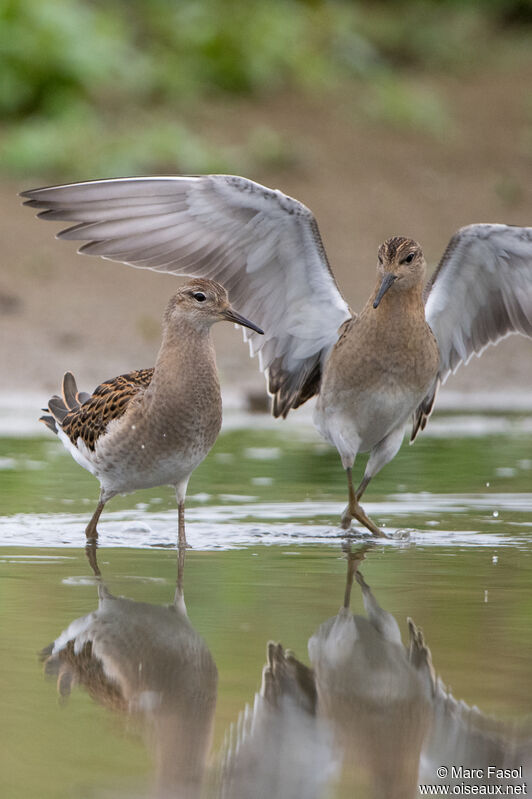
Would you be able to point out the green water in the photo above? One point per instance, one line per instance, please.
(472, 598)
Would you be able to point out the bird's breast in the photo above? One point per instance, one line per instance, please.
(375, 380)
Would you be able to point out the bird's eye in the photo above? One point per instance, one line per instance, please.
(409, 258)
(199, 296)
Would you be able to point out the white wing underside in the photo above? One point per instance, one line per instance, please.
(262, 245)
(481, 292)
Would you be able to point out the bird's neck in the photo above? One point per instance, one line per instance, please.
(397, 303)
(186, 358)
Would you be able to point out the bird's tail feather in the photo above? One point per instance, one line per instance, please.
(59, 407)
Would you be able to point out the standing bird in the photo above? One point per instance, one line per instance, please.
(371, 371)
(153, 426)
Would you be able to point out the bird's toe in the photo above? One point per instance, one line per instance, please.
(346, 519)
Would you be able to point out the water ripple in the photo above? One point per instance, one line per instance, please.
(246, 522)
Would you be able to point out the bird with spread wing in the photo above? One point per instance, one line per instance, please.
(372, 371)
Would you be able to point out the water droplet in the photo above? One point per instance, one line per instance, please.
(142, 446)
(495, 559)
(487, 485)
(495, 514)
(133, 426)
(485, 596)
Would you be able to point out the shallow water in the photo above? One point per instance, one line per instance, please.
(269, 563)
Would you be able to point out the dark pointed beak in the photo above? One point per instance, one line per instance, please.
(233, 316)
(387, 281)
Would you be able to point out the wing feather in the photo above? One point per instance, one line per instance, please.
(481, 292)
(108, 401)
(264, 246)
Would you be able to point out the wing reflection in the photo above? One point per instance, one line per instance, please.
(465, 740)
(146, 661)
(279, 749)
(394, 722)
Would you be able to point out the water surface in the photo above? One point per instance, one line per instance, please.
(268, 563)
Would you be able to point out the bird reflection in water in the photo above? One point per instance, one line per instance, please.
(377, 703)
(148, 662)
(393, 720)
(369, 718)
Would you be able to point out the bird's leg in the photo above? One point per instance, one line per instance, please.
(362, 487)
(91, 533)
(347, 515)
(179, 598)
(181, 537)
(179, 594)
(180, 494)
(354, 559)
(353, 562)
(356, 511)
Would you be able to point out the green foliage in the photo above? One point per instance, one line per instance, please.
(104, 87)
(403, 105)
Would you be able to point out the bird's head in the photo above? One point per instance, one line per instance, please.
(202, 303)
(401, 265)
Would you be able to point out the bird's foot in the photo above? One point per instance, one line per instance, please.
(356, 511)
(346, 519)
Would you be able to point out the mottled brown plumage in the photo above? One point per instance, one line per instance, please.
(154, 426)
(108, 401)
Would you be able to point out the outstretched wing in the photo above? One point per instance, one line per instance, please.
(480, 293)
(262, 245)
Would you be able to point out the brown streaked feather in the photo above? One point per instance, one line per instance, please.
(69, 391)
(109, 401)
(285, 675)
(393, 246)
(72, 667)
(50, 422)
(290, 393)
(423, 411)
(57, 408)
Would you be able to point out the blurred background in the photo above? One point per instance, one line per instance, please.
(411, 117)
